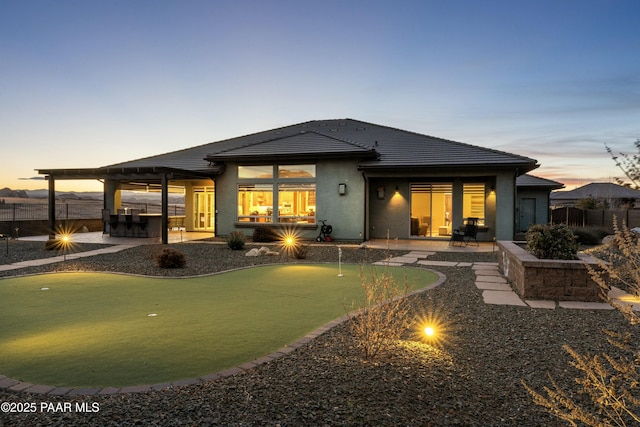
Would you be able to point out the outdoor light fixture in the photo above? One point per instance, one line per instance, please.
(289, 240)
(380, 193)
(342, 189)
(432, 329)
(397, 190)
(65, 242)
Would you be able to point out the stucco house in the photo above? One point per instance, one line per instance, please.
(534, 194)
(366, 180)
(610, 195)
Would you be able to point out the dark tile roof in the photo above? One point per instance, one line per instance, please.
(393, 148)
(527, 180)
(598, 190)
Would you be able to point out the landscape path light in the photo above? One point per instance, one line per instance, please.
(340, 262)
(65, 242)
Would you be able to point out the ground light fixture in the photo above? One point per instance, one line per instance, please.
(429, 331)
(340, 262)
(65, 242)
(432, 329)
(289, 241)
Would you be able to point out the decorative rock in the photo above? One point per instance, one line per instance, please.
(263, 251)
(253, 252)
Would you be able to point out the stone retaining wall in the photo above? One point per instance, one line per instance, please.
(556, 280)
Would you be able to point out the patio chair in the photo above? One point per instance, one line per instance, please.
(109, 221)
(139, 223)
(469, 231)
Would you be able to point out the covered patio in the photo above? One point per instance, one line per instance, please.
(117, 179)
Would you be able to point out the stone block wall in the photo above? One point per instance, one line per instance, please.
(556, 280)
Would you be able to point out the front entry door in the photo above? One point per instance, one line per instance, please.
(204, 209)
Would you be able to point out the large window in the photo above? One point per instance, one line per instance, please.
(277, 193)
(473, 201)
(255, 203)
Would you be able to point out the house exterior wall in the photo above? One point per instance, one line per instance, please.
(505, 205)
(390, 216)
(345, 213)
(541, 197)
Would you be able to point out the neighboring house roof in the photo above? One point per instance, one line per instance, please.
(597, 190)
(527, 180)
(379, 148)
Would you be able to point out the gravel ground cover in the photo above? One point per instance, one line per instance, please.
(472, 379)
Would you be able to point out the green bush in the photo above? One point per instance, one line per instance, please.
(552, 242)
(264, 233)
(171, 258)
(236, 240)
(590, 235)
(586, 236)
(300, 251)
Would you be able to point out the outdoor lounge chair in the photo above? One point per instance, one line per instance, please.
(469, 231)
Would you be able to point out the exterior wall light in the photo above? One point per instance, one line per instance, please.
(342, 189)
(397, 190)
(380, 193)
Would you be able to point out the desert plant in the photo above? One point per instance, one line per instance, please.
(236, 240)
(588, 235)
(299, 251)
(264, 234)
(611, 384)
(551, 242)
(171, 258)
(384, 317)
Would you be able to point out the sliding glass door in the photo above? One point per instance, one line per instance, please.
(431, 209)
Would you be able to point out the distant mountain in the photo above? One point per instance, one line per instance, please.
(74, 195)
(127, 196)
(7, 192)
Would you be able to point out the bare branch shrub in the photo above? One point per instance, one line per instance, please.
(383, 317)
(609, 386)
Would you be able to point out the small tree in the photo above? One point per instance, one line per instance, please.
(611, 384)
(628, 164)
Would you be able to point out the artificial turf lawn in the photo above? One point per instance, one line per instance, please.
(94, 329)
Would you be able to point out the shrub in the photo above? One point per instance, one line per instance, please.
(609, 384)
(264, 233)
(171, 258)
(552, 242)
(300, 251)
(587, 236)
(385, 315)
(51, 244)
(236, 240)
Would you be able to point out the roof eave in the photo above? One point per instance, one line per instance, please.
(360, 154)
(521, 168)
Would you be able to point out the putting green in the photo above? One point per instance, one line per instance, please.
(100, 329)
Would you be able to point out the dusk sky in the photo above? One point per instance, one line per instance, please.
(91, 83)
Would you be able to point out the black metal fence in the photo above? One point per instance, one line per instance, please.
(601, 218)
(40, 211)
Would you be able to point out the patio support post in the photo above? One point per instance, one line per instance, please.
(165, 209)
(52, 207)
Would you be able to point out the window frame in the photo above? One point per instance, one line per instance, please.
(276, 183)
